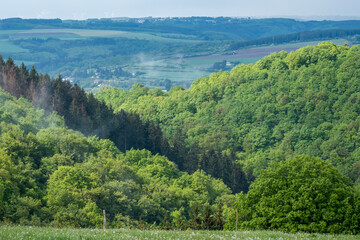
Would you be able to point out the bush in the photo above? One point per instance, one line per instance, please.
(300, 194)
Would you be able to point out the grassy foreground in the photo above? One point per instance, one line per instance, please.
(20, 232)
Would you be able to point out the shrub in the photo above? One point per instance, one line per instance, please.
(300, 194)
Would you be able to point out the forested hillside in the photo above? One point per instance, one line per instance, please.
(52, 175)
(81, 111)
(288, 104)
(289, 125)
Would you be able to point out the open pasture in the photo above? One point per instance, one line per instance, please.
(27, 233)
(70, 34)
(7, 47)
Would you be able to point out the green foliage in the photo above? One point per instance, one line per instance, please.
(229, 125)
(81, 112)
(52, 175)
(131, 187)
(21, 112)
(285, 105)
(300, 194)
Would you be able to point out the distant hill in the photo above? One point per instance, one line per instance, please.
(206, 28)
(157, 52)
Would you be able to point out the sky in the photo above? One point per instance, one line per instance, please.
(83, 9)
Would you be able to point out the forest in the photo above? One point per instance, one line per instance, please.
(277, 140)
(300, 37)
(287, 104)
(51, 174)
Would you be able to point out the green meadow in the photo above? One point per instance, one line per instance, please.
(27, 233)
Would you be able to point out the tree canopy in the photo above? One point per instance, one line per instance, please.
(50, 174)
(300, 194)
(285, 105)
(224, 131)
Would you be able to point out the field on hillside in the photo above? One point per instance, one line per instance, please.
(79, 54)
(91, 57)
(24, 233)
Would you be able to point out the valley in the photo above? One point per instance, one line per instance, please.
(179, 128)
(156, 52)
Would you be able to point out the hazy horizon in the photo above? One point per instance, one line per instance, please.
(300, 18)
(66, 9)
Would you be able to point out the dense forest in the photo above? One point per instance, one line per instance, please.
(53, 175)
(83, 112)
(287, 104)
(266, 117)
(283, 132)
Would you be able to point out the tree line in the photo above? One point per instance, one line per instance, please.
(297, 37)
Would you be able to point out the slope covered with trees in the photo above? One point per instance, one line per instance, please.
(81, 111)
(288, 104)
(253, 124)
(52, 175)
(85, 113)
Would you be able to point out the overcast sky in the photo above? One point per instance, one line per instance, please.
(83, 9)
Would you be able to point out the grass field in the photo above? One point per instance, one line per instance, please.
(10, 48)
(24, 233)
(18, 45)
(70, 34)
